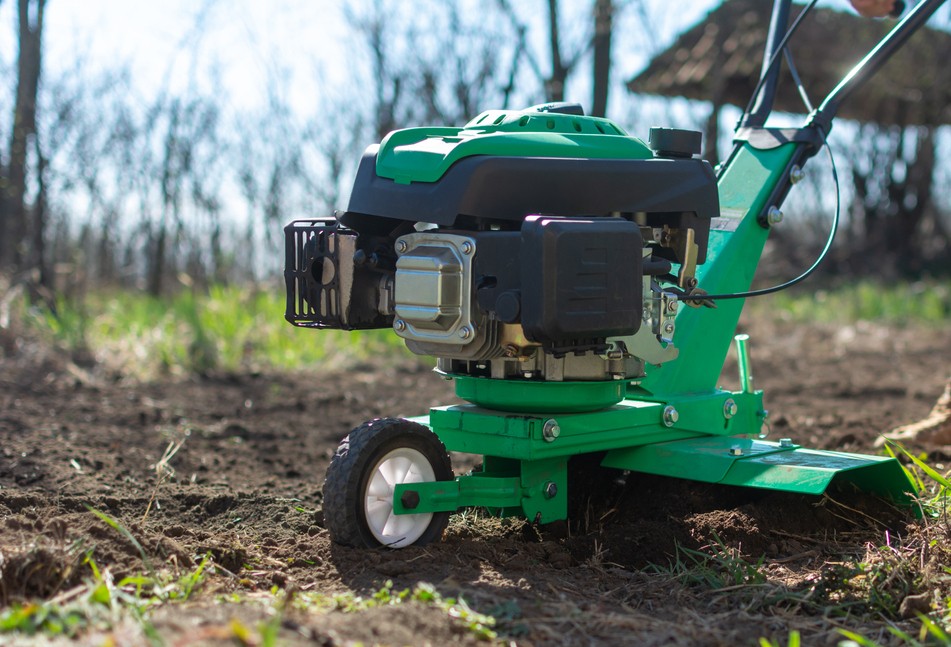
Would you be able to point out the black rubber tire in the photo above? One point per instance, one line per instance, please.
(349, 471)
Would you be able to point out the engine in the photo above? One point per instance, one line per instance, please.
(536, 244)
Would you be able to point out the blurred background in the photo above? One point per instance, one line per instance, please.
(150, 153)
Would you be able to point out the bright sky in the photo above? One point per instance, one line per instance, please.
(245, 42)
(248, 42)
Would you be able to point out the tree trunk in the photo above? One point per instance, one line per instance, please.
(603, 17)
(13, 216)
(38, 259)
(555, 84)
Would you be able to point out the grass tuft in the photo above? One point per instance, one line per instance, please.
(228, 328)
(924, 302)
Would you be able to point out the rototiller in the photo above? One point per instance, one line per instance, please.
(581, 288)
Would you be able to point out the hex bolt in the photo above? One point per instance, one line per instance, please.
(786, 443)
(669, 328)
(671, 306)
(551, 490)
(401, 246)
(774, 216)
(551, 430)
(410, 499)
(465, 332)
(796, 174)
(736, 451)
(729, 408)
(670, 416)
(399, 325)
(467, 248)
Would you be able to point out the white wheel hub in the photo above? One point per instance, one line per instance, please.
(403, 465)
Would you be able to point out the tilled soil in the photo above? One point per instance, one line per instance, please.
(244, 487)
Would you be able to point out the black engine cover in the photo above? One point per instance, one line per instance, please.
(680, 192)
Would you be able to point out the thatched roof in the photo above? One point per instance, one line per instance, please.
(719, 60)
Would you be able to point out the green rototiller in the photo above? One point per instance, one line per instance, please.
(581, 288)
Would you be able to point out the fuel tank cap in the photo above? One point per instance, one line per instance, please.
(674, 142)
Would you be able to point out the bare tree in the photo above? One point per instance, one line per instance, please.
(14, 208)
(442, 68)
(601, 74)
(894, 222)
(565, 54)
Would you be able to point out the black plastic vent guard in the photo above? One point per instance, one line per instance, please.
(309, 303)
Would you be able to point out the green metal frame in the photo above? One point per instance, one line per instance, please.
(674, 422)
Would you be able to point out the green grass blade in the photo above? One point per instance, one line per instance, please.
(856, 639)
(118, 527)
(923, 466)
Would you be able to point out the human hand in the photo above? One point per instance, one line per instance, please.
(873, 8)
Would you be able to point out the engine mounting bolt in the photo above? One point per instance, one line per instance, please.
(729, 408)
(774, 216)
(736, 451)
(786, 443)
(467, 248)
(796, 174)
(669, 328)
(399, 325)
(671, 306)
(465, 332)
(551, 430)
(551, 490)
(401, 246)
(670, 416)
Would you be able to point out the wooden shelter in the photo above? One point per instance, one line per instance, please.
(894, 219)
(719, 60)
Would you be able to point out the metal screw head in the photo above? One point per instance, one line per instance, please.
(796, 175)
(399, 325)
(551, 430)
(670, 416)
(669, 328)
(774, 216)
(401, 246)
(736, 451)
(672, 306)
(467, 248)
(465, 332)
(785, 442)
(729, 408)
(551, 490)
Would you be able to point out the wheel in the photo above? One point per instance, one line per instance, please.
(369, 463)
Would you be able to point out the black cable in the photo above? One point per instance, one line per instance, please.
(774, 59)
(799, 86)
(812, 268)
